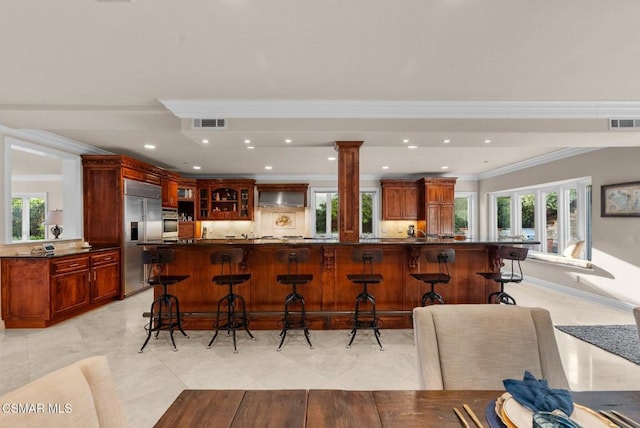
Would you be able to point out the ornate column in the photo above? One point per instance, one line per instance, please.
(348, 190)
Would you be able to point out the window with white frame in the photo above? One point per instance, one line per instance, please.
(556, 214)
(465, 213)
(324, 218)
(27, 217)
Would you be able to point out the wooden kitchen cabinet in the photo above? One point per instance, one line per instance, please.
(225, 199)
(169, 193)
(105, 276)
(103, 180)
(186, 209)
(399, 199)
(38, 291)
(69, 285)
(436, 207)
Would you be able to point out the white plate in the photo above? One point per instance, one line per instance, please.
(522, 417)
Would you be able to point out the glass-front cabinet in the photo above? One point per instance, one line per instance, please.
(225, 199)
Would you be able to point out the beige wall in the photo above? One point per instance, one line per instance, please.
(616, 241)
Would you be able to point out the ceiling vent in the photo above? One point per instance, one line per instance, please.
(208, 123)
(624, 124)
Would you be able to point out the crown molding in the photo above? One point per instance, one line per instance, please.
(539, 160)
(381, 109)
(52, 141)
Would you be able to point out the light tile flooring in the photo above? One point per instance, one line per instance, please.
(148, 383)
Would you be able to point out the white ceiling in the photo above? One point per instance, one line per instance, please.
(534, 77)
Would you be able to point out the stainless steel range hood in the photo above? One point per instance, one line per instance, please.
(281, 199)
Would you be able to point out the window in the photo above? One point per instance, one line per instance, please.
(40, 171)
(465, 213)
(27, 217)
(325, 214)
(556, 214)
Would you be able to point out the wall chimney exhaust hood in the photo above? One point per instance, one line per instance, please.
(281, 199)
(282, 195)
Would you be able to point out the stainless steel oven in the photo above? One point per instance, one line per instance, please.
(169, 223)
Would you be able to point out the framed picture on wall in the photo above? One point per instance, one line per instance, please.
(620, 200)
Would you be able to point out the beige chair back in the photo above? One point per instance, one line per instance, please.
(477, 346)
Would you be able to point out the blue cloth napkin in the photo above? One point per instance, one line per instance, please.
(536, 395)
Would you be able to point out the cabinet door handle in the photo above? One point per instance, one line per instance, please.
(89, 276)
(74, 264)
(95, 275)
(107, 259)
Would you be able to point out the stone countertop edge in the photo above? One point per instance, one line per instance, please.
(63, 253)
(312, 241)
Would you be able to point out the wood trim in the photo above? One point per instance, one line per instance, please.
(349, 190)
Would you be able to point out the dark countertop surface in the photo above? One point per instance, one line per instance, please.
(62, 252)
(364, 241)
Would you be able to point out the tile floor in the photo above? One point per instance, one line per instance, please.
(149, 382)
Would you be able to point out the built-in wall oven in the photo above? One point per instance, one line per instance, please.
(169, 224)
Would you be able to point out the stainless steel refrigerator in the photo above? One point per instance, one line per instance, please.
(142, 223)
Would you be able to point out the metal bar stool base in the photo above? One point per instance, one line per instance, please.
(367, 324)
(163, 317)
(501, 297)
(432, 297)
(295, 323)
(236, 320)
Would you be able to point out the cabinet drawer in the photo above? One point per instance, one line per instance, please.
(105, 258)
(69, 265)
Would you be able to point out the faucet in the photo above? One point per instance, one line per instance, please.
(420, 230)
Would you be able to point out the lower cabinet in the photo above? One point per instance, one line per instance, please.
(105, 276)
(41, 291)
(69, 285)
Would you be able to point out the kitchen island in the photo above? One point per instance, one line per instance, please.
(330, 296)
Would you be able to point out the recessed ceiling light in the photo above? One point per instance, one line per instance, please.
(250, 147)
(197, 167)
(446, 141)
(149, 146)
(247, 141)
(331, 158)
(487, 141)
(412, 147)
(205, 141)
(385, 167)
(406, 140)
(288, 140)
(268, 167)
(444, 167)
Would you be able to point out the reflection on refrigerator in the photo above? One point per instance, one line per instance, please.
(142, 223)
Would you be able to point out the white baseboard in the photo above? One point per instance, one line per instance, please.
(585, 295)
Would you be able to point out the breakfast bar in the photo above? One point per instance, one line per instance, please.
(330, 295)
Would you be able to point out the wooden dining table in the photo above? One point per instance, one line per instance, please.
(340, 408)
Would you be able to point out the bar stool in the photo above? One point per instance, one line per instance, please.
(236, 314)
(443, 257)
(367, 277)
(294, 278)
(165, 310)
(515, 254)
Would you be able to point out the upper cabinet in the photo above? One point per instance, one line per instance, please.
(170, 192)
(436, 208)
(186, 208)
(225, 199)
(399, 199)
